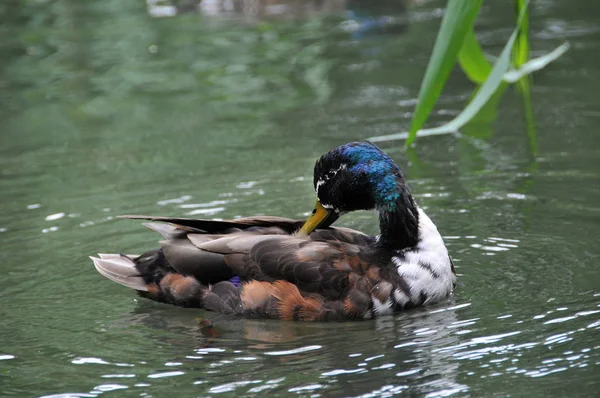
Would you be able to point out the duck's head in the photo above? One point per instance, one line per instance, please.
(359, 176)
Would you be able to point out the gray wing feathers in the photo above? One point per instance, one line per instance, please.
(168, 231)
(241, 243)
(188, 259)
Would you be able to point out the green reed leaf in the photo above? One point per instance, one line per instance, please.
(472, 59)
(536, 64)
(520, 53)
(458, 20)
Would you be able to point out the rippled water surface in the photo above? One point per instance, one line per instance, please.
(125, 107)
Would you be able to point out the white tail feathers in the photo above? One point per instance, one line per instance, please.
(119, 269)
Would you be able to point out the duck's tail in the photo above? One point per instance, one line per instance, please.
(121, 269)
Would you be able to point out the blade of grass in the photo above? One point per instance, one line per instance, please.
(536, 64)
(472, 59)
(458, 20)
(521, 51)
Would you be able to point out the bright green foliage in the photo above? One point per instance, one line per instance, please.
(535, 64)
(521, 51)
(487, 89)
(472, 60)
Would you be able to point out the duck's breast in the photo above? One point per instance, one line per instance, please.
(426, 270)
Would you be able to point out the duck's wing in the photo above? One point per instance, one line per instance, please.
(313, 266)
(183, 254)
(287, 225)
(257, 224)
(342, 234)
(187, 242)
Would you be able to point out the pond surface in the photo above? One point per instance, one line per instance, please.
(107, 109)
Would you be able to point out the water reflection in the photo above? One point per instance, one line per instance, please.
(404, 350)
(257, 9)
(360, 18)
(433, 352)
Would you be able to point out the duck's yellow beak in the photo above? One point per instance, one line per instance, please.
(320, 217)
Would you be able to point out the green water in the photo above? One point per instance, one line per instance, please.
(106, 110)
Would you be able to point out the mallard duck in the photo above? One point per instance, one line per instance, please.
(273, 267)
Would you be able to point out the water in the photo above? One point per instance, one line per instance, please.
(107, 110)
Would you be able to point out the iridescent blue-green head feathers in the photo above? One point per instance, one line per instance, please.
(357, 176)
(360, 176)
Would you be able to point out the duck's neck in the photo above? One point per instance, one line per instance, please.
(399, 221)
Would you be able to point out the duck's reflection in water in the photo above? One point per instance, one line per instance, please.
(404, 350)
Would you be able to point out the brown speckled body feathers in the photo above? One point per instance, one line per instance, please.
(329, 275)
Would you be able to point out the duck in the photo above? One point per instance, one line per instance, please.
(303, 270)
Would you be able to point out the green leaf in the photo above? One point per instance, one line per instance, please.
(521, 50)
(458, 20)
(536, 64)
(472, 59)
